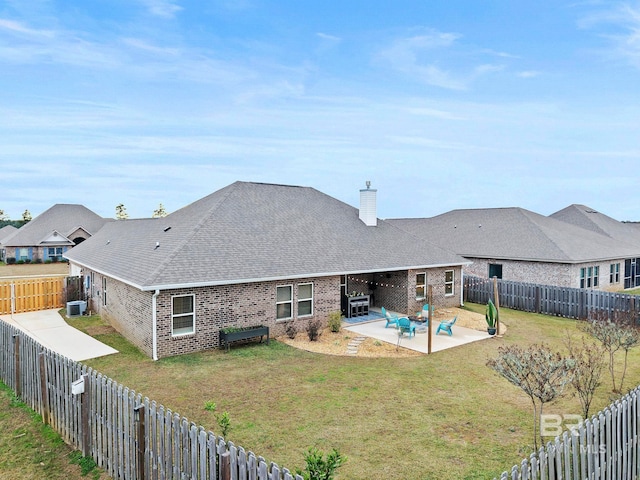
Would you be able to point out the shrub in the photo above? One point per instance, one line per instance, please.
(11, 260)
(313, 330)
(37, 260)
(319, 468)
(335, 321)
(291, 330)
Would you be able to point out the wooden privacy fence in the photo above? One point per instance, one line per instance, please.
(128, 435)
(604, 447)
(578, 303)
(33, 294)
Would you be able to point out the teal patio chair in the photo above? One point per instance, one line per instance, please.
(406, 326)
(446, 326)
(391, 319)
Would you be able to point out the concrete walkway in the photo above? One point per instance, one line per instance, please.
(376, 329)
(50, 329)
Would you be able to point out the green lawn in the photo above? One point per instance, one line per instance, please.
(29, 449)
(443, 416)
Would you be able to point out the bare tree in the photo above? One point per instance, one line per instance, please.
(616, 333)
(3, 216)
(589, 363)
(26, 216)
(539, 372)
(121, 212)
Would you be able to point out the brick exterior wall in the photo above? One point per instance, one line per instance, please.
(558, 274)
(396, 291)
(129, 311)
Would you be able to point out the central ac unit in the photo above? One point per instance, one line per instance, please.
(76, 308)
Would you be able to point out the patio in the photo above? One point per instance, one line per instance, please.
(376, 329)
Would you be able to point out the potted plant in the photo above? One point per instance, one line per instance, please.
(491, 316)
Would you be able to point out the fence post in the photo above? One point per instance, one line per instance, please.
(16, 357)
(85, 404)
(44, 391)
(139, 414)
(225, 466)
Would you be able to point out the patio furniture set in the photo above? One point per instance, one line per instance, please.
(407, 324)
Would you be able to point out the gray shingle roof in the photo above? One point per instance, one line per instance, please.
(64, 219)
(252, 232)
(6, 231)
(590, 219)
(517, 234)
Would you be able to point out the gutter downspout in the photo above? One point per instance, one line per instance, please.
(154, 323)
(462, 287)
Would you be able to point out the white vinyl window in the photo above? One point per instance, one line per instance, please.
(305, 299)
(614, 273)
(183, 315)
(421, 286)
(589, 277)
(54, 253)
(284, 302)
(449, 279)
(104, 290)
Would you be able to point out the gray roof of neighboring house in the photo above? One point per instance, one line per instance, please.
(590, 219)
(252, 232)
(62, 218)
(6, 231)
(516, 234)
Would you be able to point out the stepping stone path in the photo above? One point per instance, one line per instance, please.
(352, 347)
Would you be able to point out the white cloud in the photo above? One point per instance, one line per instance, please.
(162, 8)
(623, 33)
(528, 74)
(19, 28)
(420, 57)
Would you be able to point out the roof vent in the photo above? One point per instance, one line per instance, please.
(368, 208)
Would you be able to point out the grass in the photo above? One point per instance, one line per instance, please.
(441, 416)
(29, 269)
(29, 449)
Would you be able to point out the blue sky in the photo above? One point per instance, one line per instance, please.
(441, 105)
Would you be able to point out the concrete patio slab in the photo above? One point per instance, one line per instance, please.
(376, 329)
(50, 329)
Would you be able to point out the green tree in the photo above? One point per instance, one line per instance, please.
(159, 212)
(539, 372)
(121, 212)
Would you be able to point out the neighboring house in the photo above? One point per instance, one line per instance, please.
(253, 254)
(5, 231)
(49, 235)
(626, 232)
(520, 245)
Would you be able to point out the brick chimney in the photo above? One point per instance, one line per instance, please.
(368, 209)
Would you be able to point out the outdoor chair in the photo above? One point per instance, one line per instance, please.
(391, 319)
(406, 326)
(446, 326)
